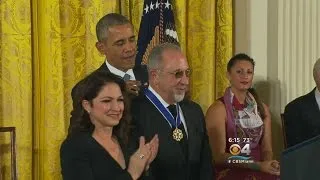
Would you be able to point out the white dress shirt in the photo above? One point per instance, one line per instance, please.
(165, 104)
(119, 72)
(317, 95)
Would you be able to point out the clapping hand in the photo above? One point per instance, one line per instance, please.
(139, 159)
(154, 145)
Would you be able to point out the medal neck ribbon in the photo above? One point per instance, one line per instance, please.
(163, 110)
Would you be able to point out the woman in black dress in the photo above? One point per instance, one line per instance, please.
(97, 143)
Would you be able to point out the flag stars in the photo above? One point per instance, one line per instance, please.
(167, 4)
(146, 9)
(151, 6)
(172, 33)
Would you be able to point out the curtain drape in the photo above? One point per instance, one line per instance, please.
(46, 46)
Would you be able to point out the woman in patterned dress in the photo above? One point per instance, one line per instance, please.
(239, 128)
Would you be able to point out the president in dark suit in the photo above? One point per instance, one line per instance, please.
(116, 40)
(302, 115)
(184, 152)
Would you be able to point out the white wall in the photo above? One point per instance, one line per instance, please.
(250, 38)
(283, 37)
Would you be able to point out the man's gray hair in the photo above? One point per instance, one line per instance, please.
(107, 21)
(155, 57)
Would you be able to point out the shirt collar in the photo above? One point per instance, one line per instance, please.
(317, 96)
(163, 102)
(118, 72)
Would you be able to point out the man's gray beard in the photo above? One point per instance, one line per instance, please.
(178, 97)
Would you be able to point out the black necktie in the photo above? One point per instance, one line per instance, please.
(183, 143)
(173, 110)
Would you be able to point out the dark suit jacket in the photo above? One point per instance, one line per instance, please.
(83, 158)
(170, 163)
(302, 119)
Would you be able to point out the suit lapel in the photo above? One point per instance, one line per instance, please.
(193, 137)
(104, 67)
(141, 74)
(137, 74)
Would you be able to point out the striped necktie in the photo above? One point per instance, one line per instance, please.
(126, 77)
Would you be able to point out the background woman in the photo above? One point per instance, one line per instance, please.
(240, 118)
(97, 143)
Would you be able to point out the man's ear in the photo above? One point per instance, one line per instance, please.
(86, 106)
(101, 47)
(155, 76)
(153, 73)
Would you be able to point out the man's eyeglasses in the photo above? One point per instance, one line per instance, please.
(179, 74)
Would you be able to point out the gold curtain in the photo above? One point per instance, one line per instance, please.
(46, 46)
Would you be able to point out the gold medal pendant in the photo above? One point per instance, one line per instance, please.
(177, 134)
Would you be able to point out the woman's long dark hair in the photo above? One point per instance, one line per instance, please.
(87, 89)
(245, 57)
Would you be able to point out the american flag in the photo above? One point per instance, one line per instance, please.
(157, 26)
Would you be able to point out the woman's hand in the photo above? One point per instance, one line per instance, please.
(270, 167)
(139, 159)
(276, 165)
(154, 145)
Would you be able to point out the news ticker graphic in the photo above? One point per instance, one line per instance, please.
(236, 150)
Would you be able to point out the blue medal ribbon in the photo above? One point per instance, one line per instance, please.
(163, 110)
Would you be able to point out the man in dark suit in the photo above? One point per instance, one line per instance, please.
(302, 115)
(116, 40)
(184, 152)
